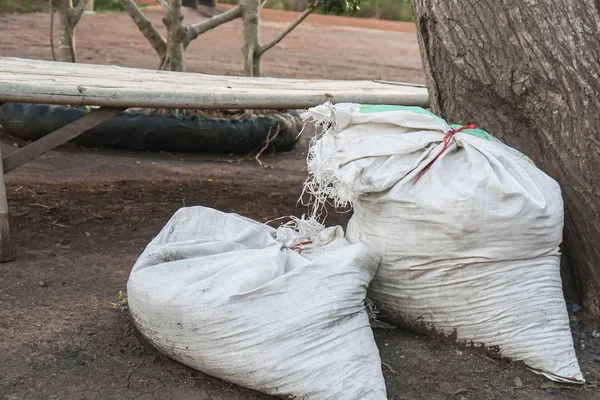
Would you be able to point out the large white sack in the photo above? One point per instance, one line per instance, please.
(470, 249)
(219, 293)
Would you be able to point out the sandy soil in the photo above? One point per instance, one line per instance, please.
(79, 221)
(336, 50)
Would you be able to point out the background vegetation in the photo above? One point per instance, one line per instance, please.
(395, 10)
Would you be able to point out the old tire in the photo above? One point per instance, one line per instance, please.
(147, 132)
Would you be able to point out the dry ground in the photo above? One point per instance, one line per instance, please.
(323, 47)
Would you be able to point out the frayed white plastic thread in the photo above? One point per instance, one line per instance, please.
(301, 132)
(306, 229)
(322, 188)
(297, 232)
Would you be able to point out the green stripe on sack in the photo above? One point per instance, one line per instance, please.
(374, 108)
(480, 133)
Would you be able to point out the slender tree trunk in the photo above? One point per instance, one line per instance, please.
(66, 38)
(171, 51)
(256, 69)
(251, 45)
(173, 20)
(529, 73)
(68, 17)
(252, 48)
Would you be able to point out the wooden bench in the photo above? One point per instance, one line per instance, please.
(114, 89)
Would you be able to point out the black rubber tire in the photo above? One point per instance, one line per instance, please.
(189, 3)
(147, 132)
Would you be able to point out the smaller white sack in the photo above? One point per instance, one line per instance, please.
(470, 246)
(225, 295)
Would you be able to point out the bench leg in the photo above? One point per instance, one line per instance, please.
(5, 248)
(31, 151)
(58, 137)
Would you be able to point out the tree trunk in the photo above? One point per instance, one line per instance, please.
(251, 46)
(529, 74)
(66, 38)
(173, 20)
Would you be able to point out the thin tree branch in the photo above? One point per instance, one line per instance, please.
(284, 33)
(164, 4)
(195, 30)
(52, 29)
(264, 3)
(76, 12)
(267, 142)
(72, 44)
(145, 26)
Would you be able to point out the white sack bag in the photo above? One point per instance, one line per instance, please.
(469, 243)
(219, 293)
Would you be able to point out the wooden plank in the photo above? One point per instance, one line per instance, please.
(35, 81)
(58, 137)
(5, 247)
(23, 67)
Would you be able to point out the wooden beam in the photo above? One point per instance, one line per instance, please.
(58, 137)
(36, 81)
(5, 249)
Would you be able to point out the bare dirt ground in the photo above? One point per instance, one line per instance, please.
(81, 217)
(79, 221)
(322, 47)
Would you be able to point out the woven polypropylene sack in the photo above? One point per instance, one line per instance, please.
(469, 229)
(221, 294)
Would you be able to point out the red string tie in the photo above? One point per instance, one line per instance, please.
(298, 247)
(446, 142)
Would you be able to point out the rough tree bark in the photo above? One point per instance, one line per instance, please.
(252, 49)
(68, 17)
(528, 72)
